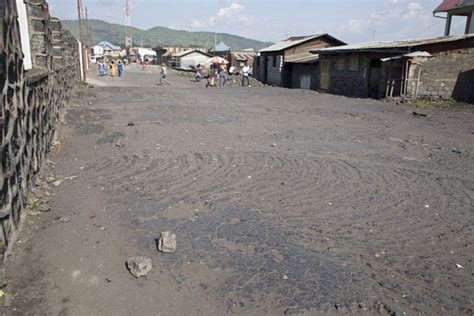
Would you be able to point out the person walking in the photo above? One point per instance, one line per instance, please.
(163, 74)
(222, 75)
(246, 75)
(120, 68)
(113, 69)
(231, 73)
(102, 69)
(211, 77)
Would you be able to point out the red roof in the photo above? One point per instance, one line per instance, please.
(447, 5)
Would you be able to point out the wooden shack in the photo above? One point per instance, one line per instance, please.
(436, 68)
(274, 65)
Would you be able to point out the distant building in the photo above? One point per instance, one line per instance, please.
(239, 59)
(437, 68)
(145, 54)
(106, 49)
(165, 54)
(453, 8)
(221, 49)
(184, 60)
(274, 65)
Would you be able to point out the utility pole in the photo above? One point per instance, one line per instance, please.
(79, 17)
(128, 25)
(88, 31)
(88, 40)
(215, 43)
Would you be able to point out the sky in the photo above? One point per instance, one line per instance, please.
(273, 20)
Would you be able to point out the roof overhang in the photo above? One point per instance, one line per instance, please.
(409, 56)
(397, 47)
(455, 6)
(284, 45)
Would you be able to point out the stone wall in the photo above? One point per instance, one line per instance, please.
(32, 104)
(448, 75)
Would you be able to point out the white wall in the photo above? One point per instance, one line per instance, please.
(24, 34)
(194, 59)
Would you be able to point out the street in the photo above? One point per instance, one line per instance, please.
(282, 201)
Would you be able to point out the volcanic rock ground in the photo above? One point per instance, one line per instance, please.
(282, 201)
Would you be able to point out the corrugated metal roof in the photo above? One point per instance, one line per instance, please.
(105, 43)
(410, 55)
(302, 58)
(448, 5)
(187, 52)
(242, 56)
(292, 41)
(390, 45)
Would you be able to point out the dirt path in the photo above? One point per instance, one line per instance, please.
(283, 201)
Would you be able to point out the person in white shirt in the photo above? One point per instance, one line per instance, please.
(246, 75)
(231, 73)
(163, 74)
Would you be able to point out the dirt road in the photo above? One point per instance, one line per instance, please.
(282, 201)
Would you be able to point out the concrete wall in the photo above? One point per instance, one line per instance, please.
(268, 68)
(275, 70)
(258, 68)
(32, 104)
(193, 59)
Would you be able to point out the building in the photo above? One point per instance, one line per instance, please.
(274, 65)
(221, 49)
(305, 73)
(239, 59)
(106, 49)
(186, 59)
(452, 8)
(165, 54)
(145, 54)
(437, 68)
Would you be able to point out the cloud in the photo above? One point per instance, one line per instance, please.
(231, 14)
(232, 11)
(395, 19)
(356, 26)
(413, 11)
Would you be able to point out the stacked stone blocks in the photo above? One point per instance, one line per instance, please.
(32, 103)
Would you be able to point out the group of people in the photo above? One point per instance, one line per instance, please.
(220, 73)
(110, 68)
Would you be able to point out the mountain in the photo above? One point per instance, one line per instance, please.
(115, 33)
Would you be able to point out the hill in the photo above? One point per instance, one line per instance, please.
(104, 31)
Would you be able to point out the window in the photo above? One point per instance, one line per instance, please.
(258, 61)
(354, 62)
(340, 62)
(274, 61)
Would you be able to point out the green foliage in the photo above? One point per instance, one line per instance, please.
(428, 104)
(83, 85)
(33, 203)
(115, 33)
